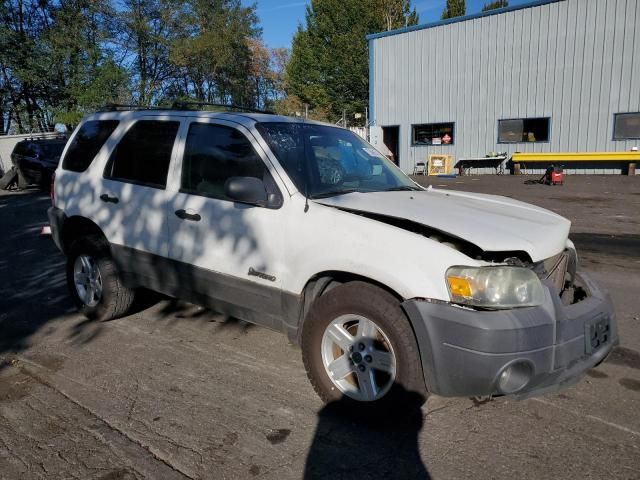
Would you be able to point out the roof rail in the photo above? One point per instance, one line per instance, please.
(230, 107)
(116, 107)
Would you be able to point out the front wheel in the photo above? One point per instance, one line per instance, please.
(358, 348)
(93, 281)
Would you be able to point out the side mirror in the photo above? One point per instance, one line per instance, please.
(246, 190)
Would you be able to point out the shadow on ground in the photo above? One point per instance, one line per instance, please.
(32, 283)
(352, 443)
(33, 289)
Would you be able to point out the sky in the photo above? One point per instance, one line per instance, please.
(280, 18)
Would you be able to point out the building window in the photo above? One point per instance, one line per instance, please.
(433, 134)
(525, 130)
(626, 126)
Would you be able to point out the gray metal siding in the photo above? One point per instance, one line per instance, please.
(575, 61)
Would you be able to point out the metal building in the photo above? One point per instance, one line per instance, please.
(548, 76)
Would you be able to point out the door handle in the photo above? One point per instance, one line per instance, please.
(194, 217)
(106, 198)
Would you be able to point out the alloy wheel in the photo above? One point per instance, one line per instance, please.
(358, 357)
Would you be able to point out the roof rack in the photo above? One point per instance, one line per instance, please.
(230, 107)
(116, 107)
(178, 105)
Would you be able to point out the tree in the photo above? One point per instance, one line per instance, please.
(328, 69)
(494, 5)
(24, 62)
(60, 59)
(454, 8)
(143, 32)
(212, 44)
(54, 65)
(396, 14)
(87, 77)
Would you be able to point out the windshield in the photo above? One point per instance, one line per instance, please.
(325, 161)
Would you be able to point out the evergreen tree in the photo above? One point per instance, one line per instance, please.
(328, 69)
(495, 4)
(454, 8)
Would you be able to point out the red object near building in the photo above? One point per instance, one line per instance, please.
(554, 176)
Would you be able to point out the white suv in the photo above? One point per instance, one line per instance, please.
(305, 228)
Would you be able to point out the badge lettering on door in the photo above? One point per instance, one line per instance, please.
(264, 276)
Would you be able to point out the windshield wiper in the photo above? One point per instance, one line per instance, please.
(332, 193)
(404, 188)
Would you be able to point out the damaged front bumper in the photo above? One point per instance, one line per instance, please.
(521, 352)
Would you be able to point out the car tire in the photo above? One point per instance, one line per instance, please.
(90, 269)
(362, 303)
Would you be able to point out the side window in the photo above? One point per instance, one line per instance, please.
(144, 153)
(214, 153)
(626, 126)
(86, 144)
(523, 130)
(23, 148)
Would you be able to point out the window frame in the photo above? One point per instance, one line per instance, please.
(613, 132)
(257, 148)
(121, 137)
(413, 136)
(548, 140)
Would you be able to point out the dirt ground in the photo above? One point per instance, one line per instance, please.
(176, 391)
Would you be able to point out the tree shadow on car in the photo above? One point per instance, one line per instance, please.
(355, 442)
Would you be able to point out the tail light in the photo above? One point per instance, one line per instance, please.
(52, 192)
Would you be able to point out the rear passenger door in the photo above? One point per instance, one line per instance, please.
(133, 192)
(229, 251)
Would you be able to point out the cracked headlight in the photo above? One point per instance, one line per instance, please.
(495, 287)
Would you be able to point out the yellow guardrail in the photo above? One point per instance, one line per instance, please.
(576, 157)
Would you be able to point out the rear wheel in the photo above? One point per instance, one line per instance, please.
(359, 348)
(93, 280)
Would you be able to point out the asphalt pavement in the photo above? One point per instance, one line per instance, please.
(177, 391)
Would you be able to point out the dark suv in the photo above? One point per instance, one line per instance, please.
(37, 159)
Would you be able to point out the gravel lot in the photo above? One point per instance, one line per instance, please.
(175, 391)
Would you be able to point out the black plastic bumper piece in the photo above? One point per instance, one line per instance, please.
(464, 351)
(56, 220)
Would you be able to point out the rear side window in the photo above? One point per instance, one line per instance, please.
(51, 151)
(21, 148)
(215, 153)
(144, 153)
(86, 144)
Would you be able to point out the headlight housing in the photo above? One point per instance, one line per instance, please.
(495, 287)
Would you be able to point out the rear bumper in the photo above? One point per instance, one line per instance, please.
(56, 221)
(35, 172)
(465, 351)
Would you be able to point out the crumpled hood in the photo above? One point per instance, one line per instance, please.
(491, 222)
